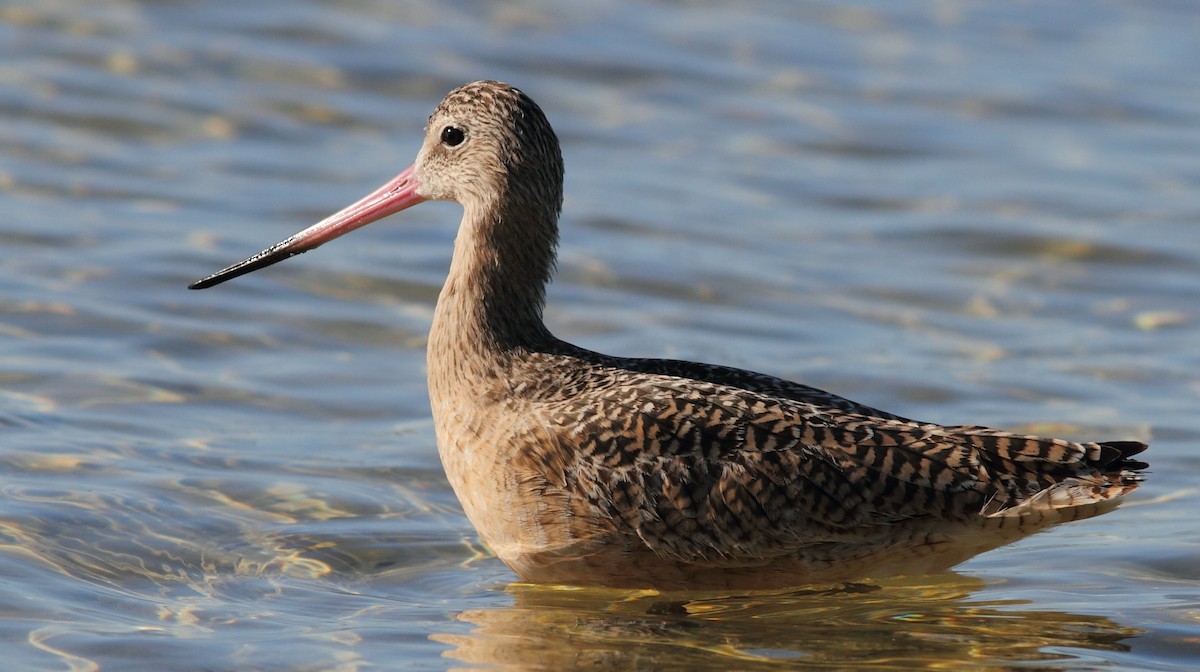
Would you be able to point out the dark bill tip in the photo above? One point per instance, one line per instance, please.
(263, 259)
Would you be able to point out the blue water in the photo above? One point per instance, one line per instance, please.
(962, 212)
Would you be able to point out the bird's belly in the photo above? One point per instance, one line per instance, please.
(516, 499)
(622, 567)
(544, 539)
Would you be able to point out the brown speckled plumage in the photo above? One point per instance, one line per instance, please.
(582, 468)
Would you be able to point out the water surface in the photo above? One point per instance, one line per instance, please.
(980, 213)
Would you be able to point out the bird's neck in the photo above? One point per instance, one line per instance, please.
(491, 305)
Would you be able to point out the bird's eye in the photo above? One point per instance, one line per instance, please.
(452, 136)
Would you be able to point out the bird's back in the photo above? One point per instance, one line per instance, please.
(675, 474)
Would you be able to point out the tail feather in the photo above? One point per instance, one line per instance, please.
(1116, 457)
(1107, 473)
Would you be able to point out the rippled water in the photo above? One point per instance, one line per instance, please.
(963, 212)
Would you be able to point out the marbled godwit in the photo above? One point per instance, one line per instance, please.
(581, 468)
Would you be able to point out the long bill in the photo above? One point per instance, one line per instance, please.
(396, 195)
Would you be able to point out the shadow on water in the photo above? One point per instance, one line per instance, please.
(929, 622)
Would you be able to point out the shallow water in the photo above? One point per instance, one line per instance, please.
(979, 212)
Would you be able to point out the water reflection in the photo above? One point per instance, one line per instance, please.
(931, 621)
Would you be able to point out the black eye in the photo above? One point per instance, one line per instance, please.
(453, 136)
